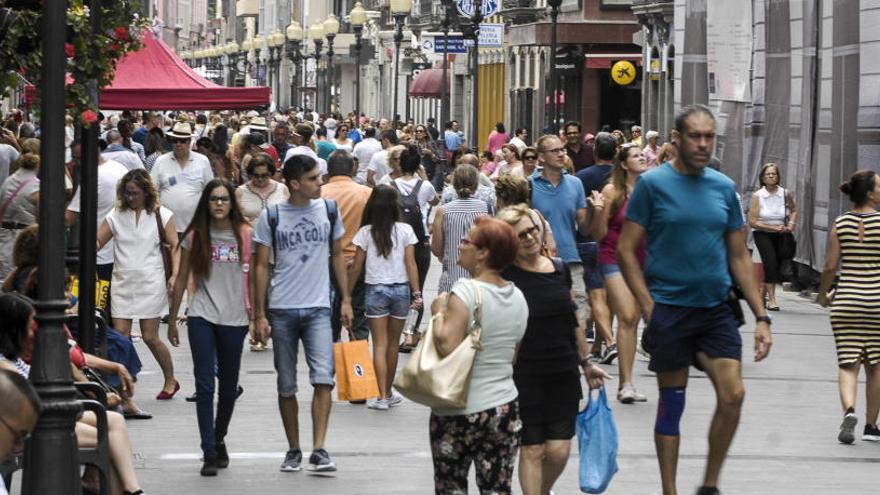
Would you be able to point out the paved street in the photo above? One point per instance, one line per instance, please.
(786, 443)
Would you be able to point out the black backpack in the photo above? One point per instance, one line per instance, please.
(411, 211)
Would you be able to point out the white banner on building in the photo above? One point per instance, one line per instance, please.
(729, 49)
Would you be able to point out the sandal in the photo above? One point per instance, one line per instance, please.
(772, 307)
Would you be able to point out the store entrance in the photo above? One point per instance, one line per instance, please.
(620, 106)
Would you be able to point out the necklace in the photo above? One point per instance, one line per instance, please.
(263, 199)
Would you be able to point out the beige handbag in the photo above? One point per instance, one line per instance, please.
(442, 383)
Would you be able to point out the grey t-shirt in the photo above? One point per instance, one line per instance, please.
(302, 271)
(8, 154)
(220, 297)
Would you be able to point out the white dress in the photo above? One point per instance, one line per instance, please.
(137, 290)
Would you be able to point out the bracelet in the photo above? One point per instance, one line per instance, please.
(585, 361)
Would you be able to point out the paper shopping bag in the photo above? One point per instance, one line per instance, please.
(355, 375)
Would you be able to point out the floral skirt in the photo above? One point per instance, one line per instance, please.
(489, 439)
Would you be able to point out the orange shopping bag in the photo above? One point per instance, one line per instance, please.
(355, 375)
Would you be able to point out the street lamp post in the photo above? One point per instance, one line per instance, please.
(553, 107)
(316, 33)
(400, 9)
(276, 43)
(51, 456)
(331, 28)
(246, 47)
(232, 59)
(358, 18)
(445, 23)
(258, 46)
(476, 19)
(294, 41)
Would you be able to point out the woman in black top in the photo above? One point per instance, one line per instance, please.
(553, 349)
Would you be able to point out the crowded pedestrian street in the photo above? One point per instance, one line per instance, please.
(531, 247)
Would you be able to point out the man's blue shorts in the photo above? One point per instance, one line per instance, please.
(589, 253)
(676, 333)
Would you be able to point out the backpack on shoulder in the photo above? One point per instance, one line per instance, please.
(411, 210)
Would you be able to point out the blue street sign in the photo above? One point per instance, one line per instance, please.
(435, 44)
(487, 7)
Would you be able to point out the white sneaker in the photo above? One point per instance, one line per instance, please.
(378, 404)
(395, 398)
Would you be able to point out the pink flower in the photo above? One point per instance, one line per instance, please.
(121, 33)
(68, 50)
(89, 117)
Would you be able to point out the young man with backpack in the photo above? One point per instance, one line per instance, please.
(417, 195)
(304, 233)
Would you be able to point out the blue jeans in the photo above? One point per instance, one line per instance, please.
(216, 351)
(312, 326)
(387, 300)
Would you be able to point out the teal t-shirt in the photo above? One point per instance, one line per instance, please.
(325, 149)
(686, 218)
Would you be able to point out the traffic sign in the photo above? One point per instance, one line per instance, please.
(487, 7)
(623, 72)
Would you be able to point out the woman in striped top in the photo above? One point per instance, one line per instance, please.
(453, 221)
(854, 242)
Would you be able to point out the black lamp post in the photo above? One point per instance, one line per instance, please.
(232, 59)
(319, 45)
(400, 9)
(331, 28)
(357, 17)
(51, 456)
(476, 18)
(553, 107)
(445, 23)
(294, 41)
(258, 46)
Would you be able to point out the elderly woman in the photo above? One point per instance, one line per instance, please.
(772, 215)
(453, 220)
(511, 190)
(19, 197)
(485, 188)
(652, 149)
(551, 355)
(486, 431)
(260, 191)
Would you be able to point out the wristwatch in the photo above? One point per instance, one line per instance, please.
(766, 319)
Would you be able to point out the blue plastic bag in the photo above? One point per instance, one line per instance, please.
(597, 442)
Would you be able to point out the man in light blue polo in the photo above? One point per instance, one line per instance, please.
(561, 199)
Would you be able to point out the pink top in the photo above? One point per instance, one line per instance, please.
(608, 247)
(497, 140)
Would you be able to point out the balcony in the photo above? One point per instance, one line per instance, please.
(523, 11)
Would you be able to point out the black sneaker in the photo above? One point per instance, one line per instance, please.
(209, 467)
(320, 461)
(610, 355)
(708, 490)
(872, 433)
(292, 461)
(222, 455)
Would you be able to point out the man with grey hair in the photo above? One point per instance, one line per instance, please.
(117, 152)
(652, 149)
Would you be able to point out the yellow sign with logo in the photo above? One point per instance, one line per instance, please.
(623, 72)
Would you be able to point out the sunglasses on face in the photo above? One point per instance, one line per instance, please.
(219, 199)
(530, 157)
(261, 176)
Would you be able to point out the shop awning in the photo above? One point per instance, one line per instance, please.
(428, 84)
(155, 78)
(606, 60)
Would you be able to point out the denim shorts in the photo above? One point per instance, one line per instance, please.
(312, 326)
(589, 253)
(609, 270)
(387, 300)
(676, 334)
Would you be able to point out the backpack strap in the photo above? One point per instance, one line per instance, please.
(416, 189)
(244, 233)
(273, 227)
(332, 215)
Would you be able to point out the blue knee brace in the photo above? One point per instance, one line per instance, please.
(669, 410)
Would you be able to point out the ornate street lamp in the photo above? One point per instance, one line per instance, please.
(258, 46)
(294, 41)
(231, 50)
(276, 43)
(476, 18)
(400, 9)
(246, 47)
(331, 28)
(553, 107)
(448, 15)
(316, 33)
(357, 17)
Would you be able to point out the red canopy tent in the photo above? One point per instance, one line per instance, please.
(155, 78)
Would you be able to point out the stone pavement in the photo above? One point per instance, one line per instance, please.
(786, 443)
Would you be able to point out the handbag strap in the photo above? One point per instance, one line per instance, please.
(162, 239)
(477, 324)
(13, 195)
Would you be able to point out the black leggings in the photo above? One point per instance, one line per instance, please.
(768, 245)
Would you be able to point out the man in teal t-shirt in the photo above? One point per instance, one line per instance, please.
(696, 241)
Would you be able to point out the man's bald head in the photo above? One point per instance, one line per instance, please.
(19, 410)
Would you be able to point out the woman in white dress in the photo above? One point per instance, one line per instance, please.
(342, 140)
(139, 288)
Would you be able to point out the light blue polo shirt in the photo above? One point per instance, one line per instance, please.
(559, 205)
(686, 218)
